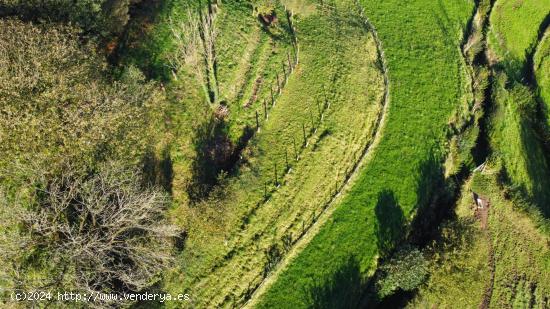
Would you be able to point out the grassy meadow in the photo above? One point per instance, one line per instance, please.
(425, 74)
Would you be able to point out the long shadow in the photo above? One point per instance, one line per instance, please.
(215, 153)
(343, 290)
(537, 167)
(389, 222)
(158, 171)
(346, 287)
(530, 54)
(435, 200)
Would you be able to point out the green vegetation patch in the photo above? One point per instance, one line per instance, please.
(514, 31)
(516, 143)
(506, 265)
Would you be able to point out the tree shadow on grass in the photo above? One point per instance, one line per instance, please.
(342, 290)
(537, 167)
(389, 221)
(214, 152)
(435, 202)
(158, 171)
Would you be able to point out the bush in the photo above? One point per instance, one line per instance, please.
(56, 103)
(99, 233)
(406, 270)
(103, 17)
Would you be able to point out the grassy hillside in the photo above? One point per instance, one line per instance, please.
(345, 250)
(516, 143)
(514, 30)
(515, 26)
(250, 221)
(276, 153)
(507, 263)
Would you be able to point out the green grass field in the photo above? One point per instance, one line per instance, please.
(392, 177)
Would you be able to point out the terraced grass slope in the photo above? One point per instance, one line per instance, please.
(249, 59)
(515, 142)
(515, 26)
(258, 212)
(503, 265)
(542, 73)
(420, 41)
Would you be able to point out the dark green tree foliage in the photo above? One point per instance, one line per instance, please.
(406, 270)
(57, 105)
(104, 17)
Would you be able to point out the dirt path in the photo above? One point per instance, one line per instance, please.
(482, 214)
(366, 156)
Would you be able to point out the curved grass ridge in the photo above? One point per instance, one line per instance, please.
(224, 260)
(348, 183)
(515, 27)
(425, 71)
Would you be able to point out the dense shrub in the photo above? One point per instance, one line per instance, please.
(406, 270)
(57, 105)
(104, 17)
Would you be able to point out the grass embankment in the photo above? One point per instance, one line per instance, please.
(238, 234)
(542, 73)
(426, 78)
(514, 31)
(513, 133)
(461, 270)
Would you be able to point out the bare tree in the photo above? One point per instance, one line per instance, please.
(90, 234)
(195, 39)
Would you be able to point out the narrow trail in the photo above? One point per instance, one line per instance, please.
(488, 291)
(482, 214)
(348, 183)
